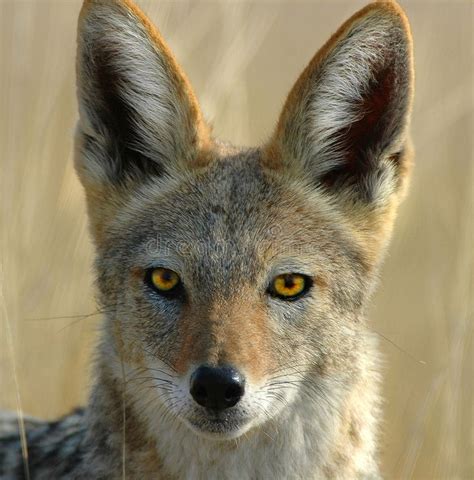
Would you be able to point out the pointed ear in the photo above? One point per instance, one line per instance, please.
(344, 123)
(138, 114)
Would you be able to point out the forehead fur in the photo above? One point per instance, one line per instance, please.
(233, 217)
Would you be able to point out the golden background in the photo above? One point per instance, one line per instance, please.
(242, 58)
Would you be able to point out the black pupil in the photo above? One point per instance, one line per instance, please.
(289, 281)
(166, 276)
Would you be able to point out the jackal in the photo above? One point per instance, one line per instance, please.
(234, 281)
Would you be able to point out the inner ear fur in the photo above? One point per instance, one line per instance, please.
(139, 116)
(344, 124)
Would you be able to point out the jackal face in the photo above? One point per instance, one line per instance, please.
(234, 280)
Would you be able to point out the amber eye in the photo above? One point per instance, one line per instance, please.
(289, 286)
(163, 280)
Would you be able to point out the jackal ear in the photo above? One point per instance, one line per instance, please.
(344, 123)
(138, 114)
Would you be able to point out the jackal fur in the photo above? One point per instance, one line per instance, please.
(317, 199)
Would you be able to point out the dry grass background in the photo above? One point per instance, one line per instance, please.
(242, 58)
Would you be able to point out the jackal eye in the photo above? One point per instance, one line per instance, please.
(289, 286)
(163, 280)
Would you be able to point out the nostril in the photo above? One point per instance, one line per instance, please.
(233, 393)
(217, 388)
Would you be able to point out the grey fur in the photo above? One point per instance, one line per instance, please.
(227, 221)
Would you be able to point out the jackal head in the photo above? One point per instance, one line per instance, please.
(234, 281)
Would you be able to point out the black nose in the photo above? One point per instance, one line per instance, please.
(217, 388)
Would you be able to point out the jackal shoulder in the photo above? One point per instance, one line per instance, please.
(56, 446)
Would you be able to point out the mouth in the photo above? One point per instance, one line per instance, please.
(219, 425)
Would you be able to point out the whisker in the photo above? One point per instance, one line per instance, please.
(398, 347)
